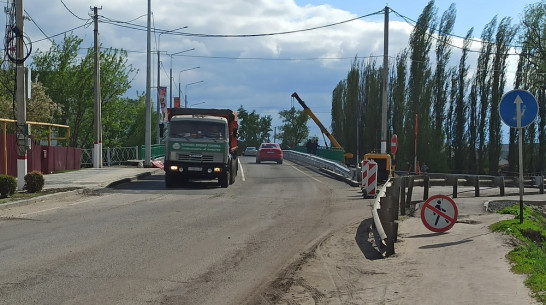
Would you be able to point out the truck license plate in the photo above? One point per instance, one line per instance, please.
(195, 169)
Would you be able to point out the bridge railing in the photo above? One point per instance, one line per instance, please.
(316, 161)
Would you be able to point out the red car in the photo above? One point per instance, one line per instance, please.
(269, 152)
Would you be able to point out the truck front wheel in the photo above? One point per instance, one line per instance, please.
(169, 179)
(223, 180)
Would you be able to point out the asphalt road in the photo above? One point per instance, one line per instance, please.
(140, 243)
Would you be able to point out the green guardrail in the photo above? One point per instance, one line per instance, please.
(157, 150)
(332, 153)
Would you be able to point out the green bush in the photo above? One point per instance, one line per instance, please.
(8, 185)
(34, 182)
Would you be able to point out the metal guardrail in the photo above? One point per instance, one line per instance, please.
(385, 240)
(318, 162)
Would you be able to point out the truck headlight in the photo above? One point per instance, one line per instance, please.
(217, 169)
(173, 168)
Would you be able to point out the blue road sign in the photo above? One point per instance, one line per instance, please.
(518, 104)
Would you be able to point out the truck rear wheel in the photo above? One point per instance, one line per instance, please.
(233, 172)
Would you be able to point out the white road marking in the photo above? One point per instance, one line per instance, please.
(242, 171)
(306, 174)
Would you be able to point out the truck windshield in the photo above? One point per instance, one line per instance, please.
(193, 129)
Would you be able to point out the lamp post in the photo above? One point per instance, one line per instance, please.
(171, 76)
(186, 92)
(197, 104)
(159, 79)
(180, 77)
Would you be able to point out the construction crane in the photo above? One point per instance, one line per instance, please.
(323, 129)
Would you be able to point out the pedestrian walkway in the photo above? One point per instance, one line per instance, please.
(96, 178)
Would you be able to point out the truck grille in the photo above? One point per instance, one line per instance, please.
(194, 158)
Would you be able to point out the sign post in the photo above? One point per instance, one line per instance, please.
(518, 109)
(394, 148)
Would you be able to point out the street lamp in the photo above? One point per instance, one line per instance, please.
(171, 76)
(159, 79)
(197, 104)
(186, 92)
(179, 78)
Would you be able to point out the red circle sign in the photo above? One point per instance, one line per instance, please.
(439, 213)
(394, 144)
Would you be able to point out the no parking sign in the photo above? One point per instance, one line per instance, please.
(439, 213)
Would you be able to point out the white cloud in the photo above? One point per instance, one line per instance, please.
(261, 85)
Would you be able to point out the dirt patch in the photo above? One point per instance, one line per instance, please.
(18, 196)
(467, 263)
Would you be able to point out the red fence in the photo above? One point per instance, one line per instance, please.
(45, 159)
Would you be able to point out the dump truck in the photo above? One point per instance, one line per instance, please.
(201, 144)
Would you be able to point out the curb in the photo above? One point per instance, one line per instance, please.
(82, 190)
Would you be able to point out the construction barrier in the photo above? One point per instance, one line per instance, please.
(371, 183)
(364, 175)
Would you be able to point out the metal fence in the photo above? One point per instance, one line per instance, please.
(120, 155)
(110, 156)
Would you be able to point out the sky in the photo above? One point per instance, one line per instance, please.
(256, 72)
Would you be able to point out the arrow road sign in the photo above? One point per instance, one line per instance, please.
(518, 108)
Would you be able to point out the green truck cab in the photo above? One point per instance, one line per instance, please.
(201, 144)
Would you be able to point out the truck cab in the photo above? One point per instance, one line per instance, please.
(198, 146)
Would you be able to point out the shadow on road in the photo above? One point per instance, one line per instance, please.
(157, 183)
(365, 240)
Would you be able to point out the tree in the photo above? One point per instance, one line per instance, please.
(134, 132)
(531, 75)
(460, 114)
(482, 85)
(504, 37)
(69, 80)
(397, 96)
(294, 130)
(253, 128)
(420, 90)
(338, 117)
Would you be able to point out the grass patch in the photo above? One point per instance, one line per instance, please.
(530, 256)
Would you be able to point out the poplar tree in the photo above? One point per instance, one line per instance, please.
(503, 39)
(420, 88)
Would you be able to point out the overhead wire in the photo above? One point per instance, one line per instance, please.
(72, 13)
(435, 37)
(130, 25)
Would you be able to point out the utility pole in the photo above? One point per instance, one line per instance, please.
(158, 138)
(385, 83)
(97, 147)
(148, 126)
(22, 129)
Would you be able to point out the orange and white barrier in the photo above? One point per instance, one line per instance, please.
(364, 175)
(371, 183)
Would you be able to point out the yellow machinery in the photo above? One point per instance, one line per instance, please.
(319, 124)
(383, 165)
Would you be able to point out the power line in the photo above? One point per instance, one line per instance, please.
(72, 13)
(133, 26)
(413, 24)
(33, 21)
(67, 31)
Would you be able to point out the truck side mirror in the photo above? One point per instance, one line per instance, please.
(161, 130)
